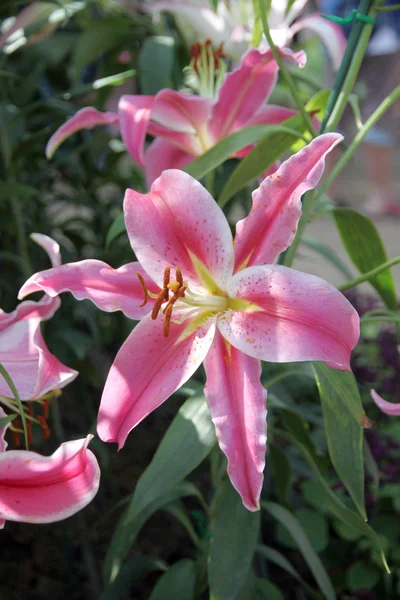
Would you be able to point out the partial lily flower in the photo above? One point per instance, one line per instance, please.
(389, 408)
(207, 298)
(34, 370)
(45, 489)
(186, 126)
(42, 17)
(232, 24)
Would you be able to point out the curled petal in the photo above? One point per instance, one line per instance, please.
(134, 114)
(147, 370)
(389, 408)
(34, 370)
(109, 289)
(331, 34)
(86, 118)
(179, 224)
(290, 317)
(183, 113)
(43, 310)
(50, 246)
(271, 225)
(162, 155)
(237, 403)
(44, 489)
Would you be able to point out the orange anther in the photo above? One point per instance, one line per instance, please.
(144, 288)
(44, 426)
(167, 320)
(157, 304)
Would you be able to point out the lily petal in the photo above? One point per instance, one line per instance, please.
(44, 489)
(178, 223)
(292, 317)
(207, 23)
(32, 14)
(331, 34)
(147, 370)
(243, 92)
(389, 408)
(44, 310)
(272, 223)
(32, 367)
(162, 155)
(50, 246)
(109, 289)
(237, 403)
(134, 114)
(86, 118)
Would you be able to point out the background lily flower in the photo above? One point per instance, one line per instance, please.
(184, 125)
(227, 305)
(44, 489)
(389, 408)
(23, 352)
(232, 24)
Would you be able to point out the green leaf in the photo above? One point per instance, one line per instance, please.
(132, 570)
(177, 509)
(6, 420)
(366, 250)
(315, 526)
(280, 560)
(234, 532)
(332, 502)
(269, 590)
(327, 253)
(219, 153)
(10, 189)
(343, 414)
(156, 62)
(188, 440)
(315, 106)
(362, 575)
(282, 473)
(117, 227)
(267, 151)
(178, 582)
(285, 517)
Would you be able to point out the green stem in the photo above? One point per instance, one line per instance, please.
(381, 319)
(387, 8)
(284, 70)
(369, 274)
(21, 239)
(353, 52)
(11, 385)
(308, 207)
(344, 159)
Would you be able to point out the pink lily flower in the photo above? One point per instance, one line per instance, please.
(186, 126)
(44, 489)
(228, 306)
(23, 352)
(232, 24)
(389, 408)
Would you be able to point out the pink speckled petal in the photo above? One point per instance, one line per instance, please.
(162, 155)
(180, 112)
(293, 317)
(389, 408)
(176, 220)
(147, 370)
(86, 118)
(237, 403)
(134, 114)
(109, 289)
(32, 367)
(272, 223)
(331, 35)
(44, 489)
